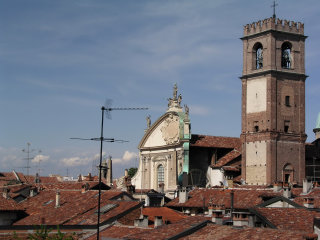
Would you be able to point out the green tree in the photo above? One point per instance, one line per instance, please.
(132, 171)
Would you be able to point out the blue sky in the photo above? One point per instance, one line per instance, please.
(61, 60)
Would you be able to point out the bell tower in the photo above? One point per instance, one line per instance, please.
(273, 102)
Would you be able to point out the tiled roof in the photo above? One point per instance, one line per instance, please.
(243, 198)
(118, 231)
(10, 178)
(8, 205)
(228, 158)
(68, 185)
(219, 232)
(294, 219)
(129, 218)
(215, 142)
(75, 207)
(168, 215)
(171, 230)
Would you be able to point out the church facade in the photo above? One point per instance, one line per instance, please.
(164, 149)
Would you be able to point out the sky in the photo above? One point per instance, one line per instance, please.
(61, 60)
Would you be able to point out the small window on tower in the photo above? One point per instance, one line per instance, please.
(287, 101)
(286, 126)
(256, 126)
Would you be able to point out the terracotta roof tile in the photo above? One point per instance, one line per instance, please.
(168, 214)
(219, 232)
(9, 205)
(75, 207)
(295, 219)
(228, 158)
(214, 141)
(243, 198)
(118, 231)
(171, 230)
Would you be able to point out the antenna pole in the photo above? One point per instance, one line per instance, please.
(101, 143)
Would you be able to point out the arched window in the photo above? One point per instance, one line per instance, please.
(286, 58)
(160, 171)
(258, 50)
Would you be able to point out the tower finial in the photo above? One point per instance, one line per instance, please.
(274, 9)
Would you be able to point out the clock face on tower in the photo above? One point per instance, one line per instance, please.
(257, 95)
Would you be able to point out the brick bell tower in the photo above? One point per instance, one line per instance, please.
(273, 102)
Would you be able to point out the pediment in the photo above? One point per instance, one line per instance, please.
(164, 132)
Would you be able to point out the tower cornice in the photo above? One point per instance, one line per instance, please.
(298, 76)
(273, 24)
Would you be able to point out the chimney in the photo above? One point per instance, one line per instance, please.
(308, 202)
(85, 187)
(230, 182)
(306, 186)
(183, 195)
(287, 192)
(240, 219)
(89, 177)
(142, 221)
(57, 199)
(126, 173)
(37, 179)
(5, 193)
(80, 178)
(316, 130)
(147, 201)
(161, 188)
(157, 221)
(217, 217)
(277, 186)
(33, 192)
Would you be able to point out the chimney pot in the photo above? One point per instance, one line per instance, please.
(57, 199)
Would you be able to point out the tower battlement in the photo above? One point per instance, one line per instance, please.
(273, 24)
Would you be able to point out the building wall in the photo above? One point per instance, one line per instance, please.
(256, 162)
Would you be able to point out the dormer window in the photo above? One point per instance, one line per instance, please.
(258, 49)
(286, 58)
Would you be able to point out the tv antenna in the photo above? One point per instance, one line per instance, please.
(28, 158)
(106, 109)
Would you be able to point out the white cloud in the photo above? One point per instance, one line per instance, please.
(39, 158)
(80, 161)
(75, 161)
(127, 157)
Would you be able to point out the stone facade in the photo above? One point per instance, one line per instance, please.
(164, 149)
(273, 102)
